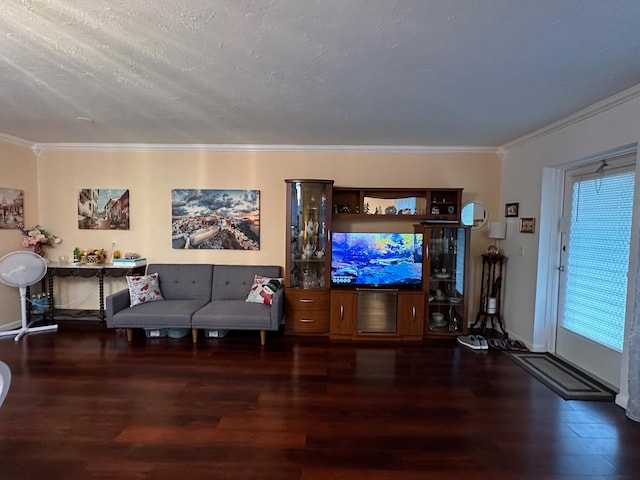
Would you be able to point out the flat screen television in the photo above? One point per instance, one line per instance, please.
(376, 260)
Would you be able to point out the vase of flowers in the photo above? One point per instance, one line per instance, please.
(37, 238)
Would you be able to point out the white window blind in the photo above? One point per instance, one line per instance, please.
(598, 257)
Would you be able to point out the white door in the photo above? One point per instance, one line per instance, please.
(597, 214)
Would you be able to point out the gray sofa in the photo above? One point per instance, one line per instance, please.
(200, 296)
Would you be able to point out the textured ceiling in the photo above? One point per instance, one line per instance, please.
(308, 72)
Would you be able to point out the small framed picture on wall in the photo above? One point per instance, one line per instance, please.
(527, 225)
(511, 209)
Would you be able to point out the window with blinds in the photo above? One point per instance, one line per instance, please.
(598, 257)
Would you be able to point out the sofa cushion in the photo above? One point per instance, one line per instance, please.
(233, 282)
(184, 281)
(263, 289)
(233, 315)
(143, 289)
(167, 314)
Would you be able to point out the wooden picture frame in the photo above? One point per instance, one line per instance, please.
(527, 225)
(511, 209)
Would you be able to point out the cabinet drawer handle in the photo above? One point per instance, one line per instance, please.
(307, 320)
(307, 300)
(413, 312)
(341, 312)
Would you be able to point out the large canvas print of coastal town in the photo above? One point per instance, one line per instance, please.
(103, 209)
(215, 219)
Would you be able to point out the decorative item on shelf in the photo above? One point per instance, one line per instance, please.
(497, 231)
(491, 305)
(37, 237)
(129, 262)
(311, 227)
(308, 250)
(92, 256)
(454, 322)
(438, 319)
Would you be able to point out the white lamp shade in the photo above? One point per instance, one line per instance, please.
(497, 230)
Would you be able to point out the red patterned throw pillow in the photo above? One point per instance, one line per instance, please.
(263, 289)
(143, 289)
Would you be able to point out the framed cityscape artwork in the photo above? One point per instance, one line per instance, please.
(103, 209)
(11, 207)
(215, 219)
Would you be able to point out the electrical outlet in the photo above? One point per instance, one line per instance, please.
(114, 242)
(521, 251)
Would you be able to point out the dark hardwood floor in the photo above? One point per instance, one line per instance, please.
(85, 404)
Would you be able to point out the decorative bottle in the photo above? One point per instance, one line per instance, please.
(454, 324)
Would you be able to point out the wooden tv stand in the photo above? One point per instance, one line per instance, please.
(316, 208)
(364, 314)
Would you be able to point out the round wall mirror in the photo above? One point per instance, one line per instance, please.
(475, 215)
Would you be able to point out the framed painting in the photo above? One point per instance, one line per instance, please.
(527, 225)
(511, 209)
(11, 207)
(103, 209)
(215, 219)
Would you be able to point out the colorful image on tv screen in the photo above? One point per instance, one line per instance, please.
(391, 260)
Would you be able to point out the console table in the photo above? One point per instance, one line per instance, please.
(74, 270)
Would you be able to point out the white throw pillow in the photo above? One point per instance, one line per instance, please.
(143, 289)
(263, 289)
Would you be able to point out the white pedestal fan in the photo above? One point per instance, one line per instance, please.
(22, 269)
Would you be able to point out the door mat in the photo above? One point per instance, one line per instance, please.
(562, 378)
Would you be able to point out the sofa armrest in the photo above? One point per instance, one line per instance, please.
(116, 302)
(277, 309)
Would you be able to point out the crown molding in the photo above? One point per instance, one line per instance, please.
(144, 147)
(5, 137)
(588, 112)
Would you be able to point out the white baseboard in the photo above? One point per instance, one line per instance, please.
(11, 326)
(622, 400)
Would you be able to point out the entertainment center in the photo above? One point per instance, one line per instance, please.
(375, 263)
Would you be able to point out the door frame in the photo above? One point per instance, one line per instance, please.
(547, 278)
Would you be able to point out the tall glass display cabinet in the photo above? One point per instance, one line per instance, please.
(445, 274)
(308, 256)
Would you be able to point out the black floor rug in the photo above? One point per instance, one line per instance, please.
(562, 378)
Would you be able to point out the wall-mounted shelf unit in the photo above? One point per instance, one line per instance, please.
(437, 204)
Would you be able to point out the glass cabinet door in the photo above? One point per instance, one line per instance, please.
(308, 247)
(447, 260)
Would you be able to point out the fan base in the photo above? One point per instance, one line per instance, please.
(21, 332)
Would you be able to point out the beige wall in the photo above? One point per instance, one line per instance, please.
(17, 170)
(150, 177)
